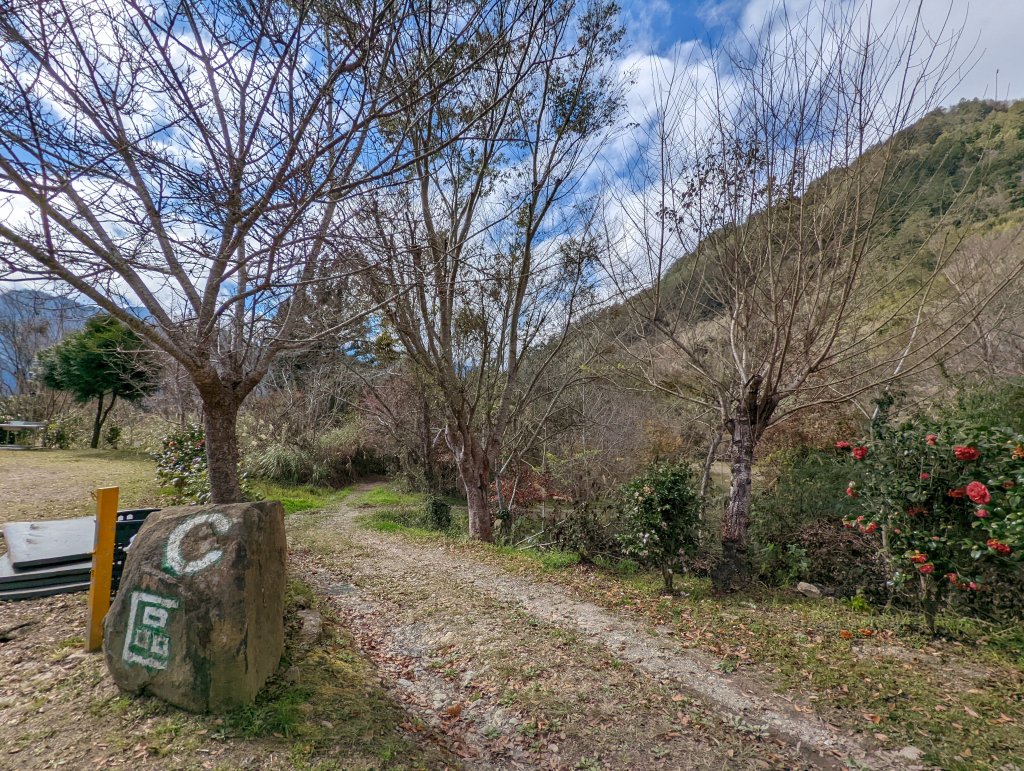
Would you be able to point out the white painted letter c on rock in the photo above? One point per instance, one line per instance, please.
(175, 562)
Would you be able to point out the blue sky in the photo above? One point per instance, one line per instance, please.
(992, 33)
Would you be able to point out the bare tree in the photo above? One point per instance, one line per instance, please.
(182, 164)
(485, 246)
(754, 212)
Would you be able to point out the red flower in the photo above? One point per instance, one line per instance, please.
(918, 558)
(978, 493)
(852, 493)
(982, 513)
(952, 578)
(998, 547)
(959, 492)
(931, 439)
(926, 569)
(872, 527)
(926, 475)
(842, 444)
(859, 453)
(966, 453)
(913, 511)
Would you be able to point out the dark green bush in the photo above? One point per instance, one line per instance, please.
(181, 466)
(437, 513)
(660, 514)
(945, 501)
(796, 525)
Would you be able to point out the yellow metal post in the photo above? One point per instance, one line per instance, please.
(102, 565)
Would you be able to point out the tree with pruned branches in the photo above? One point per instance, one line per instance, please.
(183, 165)
(485, 248)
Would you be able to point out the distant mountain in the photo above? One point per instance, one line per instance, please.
(31, 320)
(960, 174)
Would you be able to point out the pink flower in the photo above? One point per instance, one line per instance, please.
(998, 547)
(966, 453)
(859, 453)
(978, 493)
(931, 439)
(926, 475)
(842, 444)
(852, 493)
(982, 513)
(952, 578)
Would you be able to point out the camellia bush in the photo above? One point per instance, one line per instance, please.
(660, 511)
(947, 504)
(181, 465)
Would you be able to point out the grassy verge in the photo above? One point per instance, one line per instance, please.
(389, 495)
(301, 498)
(959, 698)
(327, 704)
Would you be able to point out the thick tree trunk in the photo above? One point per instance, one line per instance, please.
(733, 570)
(475, 471)
(752, 416)
(220, 420)
(481, 528)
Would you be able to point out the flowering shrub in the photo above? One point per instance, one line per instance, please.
(660, 511)
(949, 507)
(181, 466)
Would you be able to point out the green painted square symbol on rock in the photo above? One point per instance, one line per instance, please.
(147, 642)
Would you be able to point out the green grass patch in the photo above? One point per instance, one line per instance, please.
(410, 521)
(547, 559)
(388, 495)
(302, 498)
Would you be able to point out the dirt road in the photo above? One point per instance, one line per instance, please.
(521, 674)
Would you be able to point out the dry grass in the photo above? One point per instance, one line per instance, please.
(58, 484)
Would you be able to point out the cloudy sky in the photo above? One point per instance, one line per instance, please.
(991, 40)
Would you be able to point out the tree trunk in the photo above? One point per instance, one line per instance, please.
(97, 424)
(733, 570)
(475, 470)
(220, 419)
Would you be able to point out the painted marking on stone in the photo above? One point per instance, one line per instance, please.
(175, 562)
(147, 642)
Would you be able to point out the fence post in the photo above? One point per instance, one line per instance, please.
(102, 565)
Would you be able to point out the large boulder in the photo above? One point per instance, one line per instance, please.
(198, 620)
